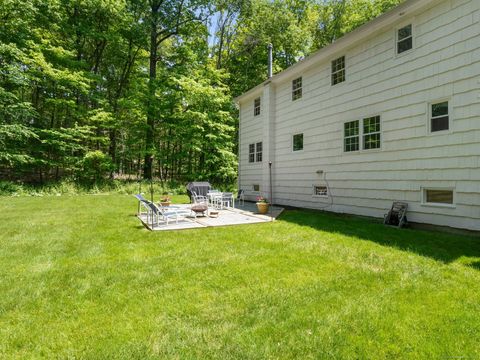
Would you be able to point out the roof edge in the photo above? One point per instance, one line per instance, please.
(363, 31)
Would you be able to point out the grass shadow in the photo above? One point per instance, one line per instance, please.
(441, 246)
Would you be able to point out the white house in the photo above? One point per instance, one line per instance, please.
(391, 111)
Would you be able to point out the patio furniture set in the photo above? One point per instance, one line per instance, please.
(201, 205)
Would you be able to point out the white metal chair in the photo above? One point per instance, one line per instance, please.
(155, 213)
(226, 200)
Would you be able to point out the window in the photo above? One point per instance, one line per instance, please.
(439, 117)
(297, 142)
(251, 153)
(351, 134)
(256, 187)
(438, 196)
(259, 152)
(320, 190)
(404, 39)
(297, 89)
(256, 107)
(371, 133)
(338, 70)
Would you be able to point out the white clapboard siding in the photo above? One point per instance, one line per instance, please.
(443, 65)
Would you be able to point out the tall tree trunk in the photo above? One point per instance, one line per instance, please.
(149, 134)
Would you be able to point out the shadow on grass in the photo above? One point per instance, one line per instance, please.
(440, 246)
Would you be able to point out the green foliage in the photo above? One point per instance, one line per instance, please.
(142, 82)
(95, 165)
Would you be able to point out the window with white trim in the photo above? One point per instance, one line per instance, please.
(251, 153)
(352, 136)
(439, 119)
(371, 133)
(256, 107)
(368, 130)
(338, 70)
(297, 89)
(259, 152)
(320, 190)
(404, 39)
(438, 196)
(297, 142)
(256, 187)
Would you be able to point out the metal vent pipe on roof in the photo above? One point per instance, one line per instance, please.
(270, 60)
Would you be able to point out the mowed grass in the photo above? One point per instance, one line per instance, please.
(81, 278)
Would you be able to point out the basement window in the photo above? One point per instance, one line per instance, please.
(439, 120)
(320, 190)
(256, 107)
(256, 187)
(338, 70)
(404, 39)
(438, 197)
(297, 89)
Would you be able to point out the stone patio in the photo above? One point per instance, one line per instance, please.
(241, 214)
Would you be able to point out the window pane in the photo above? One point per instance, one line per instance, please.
(259, 146)
(259, 156)
(251, 148)
(371, 141)
(439, 196)
(297, 142)
(351, 128)
(439, 124)
(405, 32)
(256, 187)
(404, 45)
(256, 107)
(371, 125)
(440, 109)
(251, 158)
(338, 70)
(352, 144)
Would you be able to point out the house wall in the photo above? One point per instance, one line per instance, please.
(444, 64)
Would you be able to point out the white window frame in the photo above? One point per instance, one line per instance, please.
(315, 195)
(299, 89)
(292, 142)
(424, 202)
(259, 107)
(429, 116)
(255, 191)
(258, 152)
(362, 147)
(361, 135)
(335, 72)
(250, 153)
(360, 123)
(404, 24)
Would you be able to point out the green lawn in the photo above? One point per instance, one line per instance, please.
(81, 278)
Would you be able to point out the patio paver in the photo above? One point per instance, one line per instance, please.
(241, 214)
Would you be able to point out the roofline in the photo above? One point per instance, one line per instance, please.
(360, 33)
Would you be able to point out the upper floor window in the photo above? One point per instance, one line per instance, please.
(369, 130)
(259, 151)
(338, 70)
(297, 88)
(251, 153)
(256, 107)
(404, 39)
(439, 119)
(297, 142)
